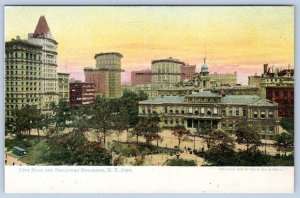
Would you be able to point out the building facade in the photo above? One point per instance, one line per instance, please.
(141, 77)
(107, 75)
(82, 94)
(166, 71)
(225, 79)
(42, 36)
(63, 86)
(205, 107)
(23, 68)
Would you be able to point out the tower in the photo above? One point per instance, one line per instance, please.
(49, 86)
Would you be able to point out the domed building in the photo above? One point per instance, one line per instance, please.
(202, 80)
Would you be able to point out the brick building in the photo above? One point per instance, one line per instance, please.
(188, 72)
(284, 96)
(82, 94)
(141, 77)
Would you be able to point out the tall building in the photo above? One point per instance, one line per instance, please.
(63, 86)
(82, 94)
(224, 79)
(166, 71)
(221, 112)
(107, 75)
(23, 67)
(141, 77)
(42, 36)
(188, 72)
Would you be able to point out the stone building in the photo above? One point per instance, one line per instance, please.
(63, 86)
(225, 112)
(224, 79)
(82, 94)
(23, 68)
(166, 71)
(42, 36)
(107, 74)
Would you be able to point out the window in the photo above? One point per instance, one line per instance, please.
(171, 111)
(202, 110)
(286, 94)
(271, 129)
(230, 111)
(190, 110)
(255, 114)
(171, 122)
(196, 112)
(277, 93)
(244, 112)
(182, 112)
(177, 112)
(166, 109)
(262, 115)
(230, 125)
(223, 112)
(271, 114)
(263, 128)
(237, 112)
(208, 112)
(215, 111)
(166, 121)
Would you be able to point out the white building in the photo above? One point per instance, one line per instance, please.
(42, 36)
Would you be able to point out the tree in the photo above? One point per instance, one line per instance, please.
(181, 133)
(74, 148)
(101, 119)
(130, 101)
(204, 131)
(247, 134)
(149, 128)
(121, 122)
(221, 153)
(287, 124)
(284, 142)
(61, 114)
(26, 119)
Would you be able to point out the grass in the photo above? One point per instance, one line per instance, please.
(37, 151)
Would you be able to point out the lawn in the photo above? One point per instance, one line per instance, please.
(37, 151)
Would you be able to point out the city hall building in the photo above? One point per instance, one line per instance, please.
(222, 112)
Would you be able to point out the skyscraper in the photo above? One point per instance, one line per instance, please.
(49, 85)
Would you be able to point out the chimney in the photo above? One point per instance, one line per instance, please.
(265, 68)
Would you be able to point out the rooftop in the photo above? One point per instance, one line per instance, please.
(205, 94)
(42, 27)
(108, 53)
(246, 99)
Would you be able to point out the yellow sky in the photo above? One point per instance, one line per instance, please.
(239, 38)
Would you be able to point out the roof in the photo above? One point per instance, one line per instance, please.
(42, 27)
(246, 99)
(165, 99)
(24, 42)
(109, 53)
(205, 94)
(171, 60)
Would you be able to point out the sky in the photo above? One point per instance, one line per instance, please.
(237, 38)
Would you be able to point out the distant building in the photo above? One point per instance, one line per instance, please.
(166, 71)
(224, 79)
(82, 94)
(141, 77)
(42, 36)
(23, 68)
(205, 107)
(63, 85)
(237, 90)
(202, 80)
(188, 72)
(107, 75)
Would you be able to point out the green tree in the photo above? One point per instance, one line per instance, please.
(101, 119)
(247, 134)
(61, 114)
(287, 124)
(204, 130)
(26, 119)
(121, 122)
(284, 142)
(221, 152)
(181, 133)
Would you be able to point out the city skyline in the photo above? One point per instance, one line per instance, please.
(237, 38)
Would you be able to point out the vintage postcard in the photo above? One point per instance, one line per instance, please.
(123, 92)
